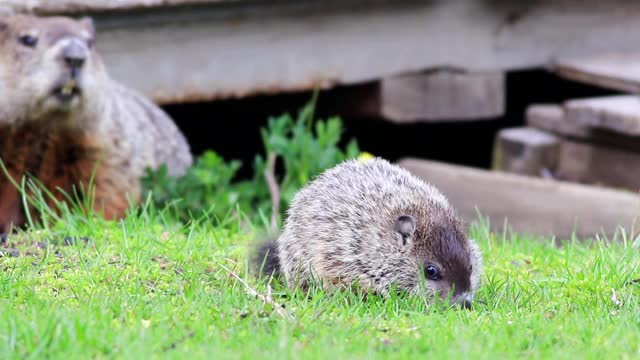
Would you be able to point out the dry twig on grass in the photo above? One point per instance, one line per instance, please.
(279, 309)
(274, 189)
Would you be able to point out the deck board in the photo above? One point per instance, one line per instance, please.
(614, 71)
(201, 50)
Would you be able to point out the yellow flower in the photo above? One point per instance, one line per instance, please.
(365, 156)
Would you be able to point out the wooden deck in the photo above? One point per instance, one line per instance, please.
(620, 71)
(192, 50)
(79, 6)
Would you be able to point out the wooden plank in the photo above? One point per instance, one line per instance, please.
(619, 71)
(616, 113)
(81, 6)
(551, 118)
(525, 151)
(212, 51)
(595, 164)
(439, 96)
(530, 205)
(582, 154)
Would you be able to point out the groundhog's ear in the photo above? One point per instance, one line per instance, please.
(88, 23)
(405, 226)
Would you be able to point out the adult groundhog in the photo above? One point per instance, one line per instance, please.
(375, 224)
(62, 118)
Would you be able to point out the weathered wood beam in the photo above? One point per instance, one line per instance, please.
(587, 154)
(618, 71)
(433, 96)
(620, 114)
(530, 205)
(234, 49)
(533, 152)
(596, 164)
(77, 6)
(552, 118)
(525, 151)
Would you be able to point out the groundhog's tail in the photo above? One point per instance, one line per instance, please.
(266, 259)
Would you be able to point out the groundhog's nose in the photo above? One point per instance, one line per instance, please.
(465, 304)
(464, 300)
(74, 55)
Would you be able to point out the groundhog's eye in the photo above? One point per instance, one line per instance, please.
(432, 272)
(28, 40)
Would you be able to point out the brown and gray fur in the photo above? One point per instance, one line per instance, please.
(376, 225)
(59, 136)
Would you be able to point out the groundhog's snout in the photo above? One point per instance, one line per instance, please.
(464, 300)
(74, 56)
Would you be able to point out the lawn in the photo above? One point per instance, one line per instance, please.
(145, 287)
(78, 286)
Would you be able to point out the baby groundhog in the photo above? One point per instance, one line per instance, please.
(64, 121)
(376, 225)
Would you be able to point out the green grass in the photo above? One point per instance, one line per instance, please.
(145, 288)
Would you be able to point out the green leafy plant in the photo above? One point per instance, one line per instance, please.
(295, 150)
(206, 187)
